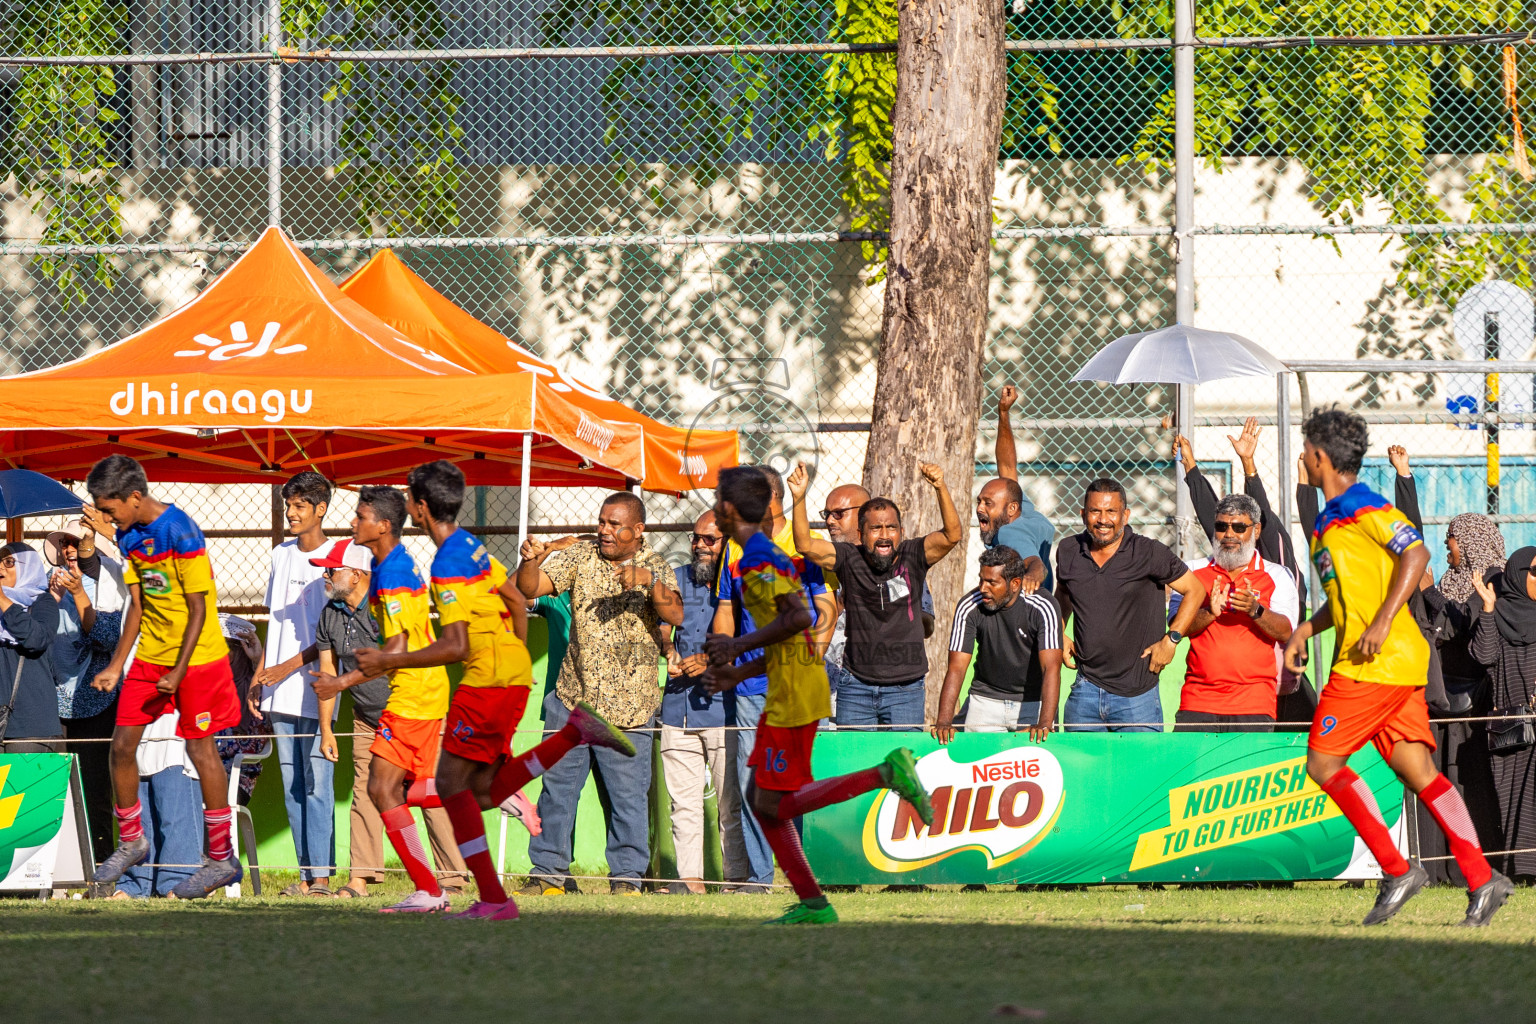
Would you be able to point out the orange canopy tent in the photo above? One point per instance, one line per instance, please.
(676, 459)
(271, 370)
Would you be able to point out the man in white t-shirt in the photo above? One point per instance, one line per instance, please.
(280, 692)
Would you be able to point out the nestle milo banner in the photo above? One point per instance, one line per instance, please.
(1088, 808)
(40, 831)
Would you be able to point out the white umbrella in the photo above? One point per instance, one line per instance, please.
(1179, 355)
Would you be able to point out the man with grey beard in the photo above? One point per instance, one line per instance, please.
(1240, 631)
(693, 745)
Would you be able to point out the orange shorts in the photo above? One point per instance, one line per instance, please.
(481, 721)
(206, 698)
(782, 756)
(409, 743)
(1351, 713)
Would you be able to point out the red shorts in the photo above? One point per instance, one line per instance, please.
(1351, 713)
(206, 698)
(481, 721)
(409, 743)
(782, 756)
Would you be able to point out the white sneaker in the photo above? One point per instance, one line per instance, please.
(419, 902)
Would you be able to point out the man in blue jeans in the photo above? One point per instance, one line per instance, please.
(881, 582)
(1114, 579)
(621, 591)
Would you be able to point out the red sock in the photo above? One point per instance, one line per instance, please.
(217, 822)
(1358, 803)
(401, 829)
(423, 793)
(823, 792)
(518, 771)
(129, 826)
(784, 838)
(469, 830)
(1451, 815)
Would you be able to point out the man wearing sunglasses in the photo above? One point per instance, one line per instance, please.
(1238, 634)
(693, 746)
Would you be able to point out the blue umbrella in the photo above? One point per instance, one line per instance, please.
(26, 493)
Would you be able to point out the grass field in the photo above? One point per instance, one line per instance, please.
(1110, 954)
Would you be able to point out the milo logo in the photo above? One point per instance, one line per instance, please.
(1000, 807)
(154, 581)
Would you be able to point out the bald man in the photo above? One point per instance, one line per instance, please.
(1005, 515)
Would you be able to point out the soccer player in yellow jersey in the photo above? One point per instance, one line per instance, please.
(1369, 558)
(482, 621)
(181, 662)
(782, 786)
(405, 744)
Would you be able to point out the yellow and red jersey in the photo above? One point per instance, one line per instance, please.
(465, 581)
(798, 691)
(398, 599)
(1356, 544)
(168, 559)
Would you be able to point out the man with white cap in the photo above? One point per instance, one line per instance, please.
(345, 625)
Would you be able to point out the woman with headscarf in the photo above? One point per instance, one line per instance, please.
(1474, 549)
(29, 618)
(1504, 640)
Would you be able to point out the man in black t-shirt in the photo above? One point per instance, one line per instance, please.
(881, 583)
(1114, 579)
(1016, 640)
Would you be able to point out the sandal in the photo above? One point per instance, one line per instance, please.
(321, 890)
(346, 892)
(296, 889)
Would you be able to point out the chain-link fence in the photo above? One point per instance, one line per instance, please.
(682, 203)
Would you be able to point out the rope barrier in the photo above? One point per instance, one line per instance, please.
(1057, 727)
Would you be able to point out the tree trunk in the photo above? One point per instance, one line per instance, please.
(951, 80)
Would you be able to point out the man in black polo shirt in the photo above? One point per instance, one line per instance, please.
(1113, 579)
(1016, 640)
(881, 583)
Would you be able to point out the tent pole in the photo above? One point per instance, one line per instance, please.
(522, 491)
(14, 529)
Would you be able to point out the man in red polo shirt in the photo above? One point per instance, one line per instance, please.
(1250, 609)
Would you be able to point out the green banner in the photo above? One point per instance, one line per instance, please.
(1094, 807)
(33, 788)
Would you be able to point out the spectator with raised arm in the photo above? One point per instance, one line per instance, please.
(1250, 608)
(881, 583)
(1112, 581)
(1004, 512)
(1274, 541)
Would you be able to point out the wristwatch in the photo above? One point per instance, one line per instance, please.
(1258, 611)
(1174, 636)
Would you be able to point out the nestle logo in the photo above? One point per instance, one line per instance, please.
(995, 772)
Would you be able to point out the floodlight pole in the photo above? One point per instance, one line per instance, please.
(1183, 241)
(274, 117)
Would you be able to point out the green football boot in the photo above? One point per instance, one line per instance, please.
(901, 776)
(799, 913)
